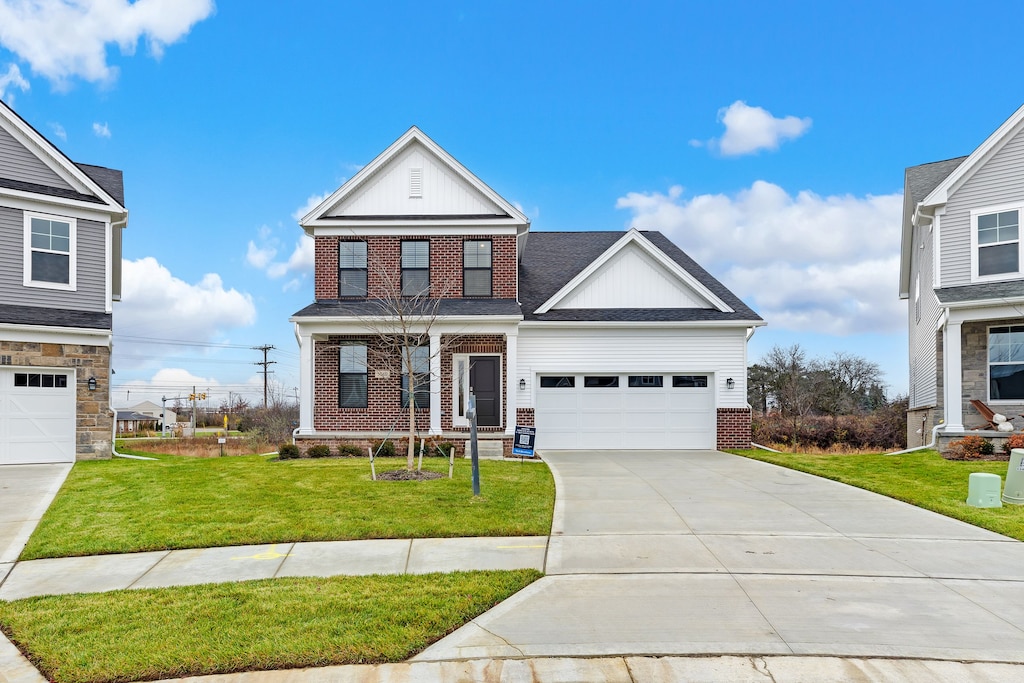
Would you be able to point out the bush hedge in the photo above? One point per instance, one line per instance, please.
(318, 451)
(288, 451)
(884, 429)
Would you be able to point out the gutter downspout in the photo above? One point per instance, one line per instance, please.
(935, 436)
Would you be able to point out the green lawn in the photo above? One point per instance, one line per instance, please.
(120, 506)
(254, 625)
(922, 478)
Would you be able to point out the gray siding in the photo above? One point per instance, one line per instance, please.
(91, 285)
(17, 163)
(923, 365)
(998, 181)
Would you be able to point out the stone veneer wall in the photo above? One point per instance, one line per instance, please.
(734, 428)
(94, 420)
(974, 366)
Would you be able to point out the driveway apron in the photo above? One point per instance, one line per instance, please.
(25, 493)
(700, 552)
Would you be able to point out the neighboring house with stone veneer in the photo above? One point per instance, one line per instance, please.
(613, 340)
(962, 271)
(60, 272)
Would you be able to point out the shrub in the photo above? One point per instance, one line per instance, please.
(351, 450)
(442, 448)
(384, 449)
(970, 447)
(321, 450)
(1015, 441)
(287, 451)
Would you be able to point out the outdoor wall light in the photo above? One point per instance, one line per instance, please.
(730, 383)
(92, 384)
(522, 384)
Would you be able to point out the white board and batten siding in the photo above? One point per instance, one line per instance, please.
(625, 417)
(415, 184)
(999, 180)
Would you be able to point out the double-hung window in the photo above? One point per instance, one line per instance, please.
(351, 269)
(352, 375)
(476, 268)
(997, 244)
(1006, 363)
(420, 376)
(50, 251)
(415, 268)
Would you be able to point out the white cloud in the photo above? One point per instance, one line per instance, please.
(301, 260)
(751, 129)
(804, 262)
(10, 80)
(77, 33)
(155, 304)
(313, 201)
(101, 130)
(58, 131)
(259, 257)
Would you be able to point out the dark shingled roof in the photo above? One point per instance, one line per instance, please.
(61, 192)
(552, 259)
(375, 307)
(980, 292)
(921, 180)
(57, 317)
(111, 180)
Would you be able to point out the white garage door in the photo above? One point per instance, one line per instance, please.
(595, 412)
(37, 416)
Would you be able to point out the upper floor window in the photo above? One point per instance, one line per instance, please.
(1006, 363)
(415, 268)
(476, 268)
(351, 269)
(997, 244)
(50, 251)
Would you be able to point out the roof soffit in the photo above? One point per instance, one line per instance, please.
(666, 284)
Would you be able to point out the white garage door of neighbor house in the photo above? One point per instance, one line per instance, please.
(611, 411)
(37, 416)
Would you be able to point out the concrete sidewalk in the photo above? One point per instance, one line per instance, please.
(243, 563)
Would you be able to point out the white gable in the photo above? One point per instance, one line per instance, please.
(416, 183)
(632, 279)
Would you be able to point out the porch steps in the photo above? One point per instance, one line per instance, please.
(487, 450)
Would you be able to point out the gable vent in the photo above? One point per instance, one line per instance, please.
(415, 183)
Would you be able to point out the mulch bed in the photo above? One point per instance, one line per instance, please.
(407, 475)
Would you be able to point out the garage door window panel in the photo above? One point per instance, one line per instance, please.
(601, 381)
(646, 381)
(42, 380)
(566, 382)
(690, 381)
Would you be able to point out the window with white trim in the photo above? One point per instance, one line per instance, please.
(50, 251)
(351, 269)
(420, 377)
(415, 268)
(476, 268)
(996, 244)
(1006, 363)
(352, 375)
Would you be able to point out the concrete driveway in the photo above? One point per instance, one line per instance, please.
(677, 553)
(25, 493)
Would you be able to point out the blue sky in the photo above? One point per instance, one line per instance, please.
(768, 140)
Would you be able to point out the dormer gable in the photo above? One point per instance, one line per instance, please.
(414, 184)
(633, 273)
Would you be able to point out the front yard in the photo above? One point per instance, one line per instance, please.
(922, 478)
(121, 506)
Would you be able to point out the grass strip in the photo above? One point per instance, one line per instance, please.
(149, 634)
(922, 478)
(121, 506)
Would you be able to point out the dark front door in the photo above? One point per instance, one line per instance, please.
(485, 385)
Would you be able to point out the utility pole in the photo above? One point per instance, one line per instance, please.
(266, 365)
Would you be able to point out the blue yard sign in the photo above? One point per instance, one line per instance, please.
(525, 437)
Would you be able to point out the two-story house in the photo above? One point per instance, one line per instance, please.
(962, 272)
(613, 340)
(60, 272)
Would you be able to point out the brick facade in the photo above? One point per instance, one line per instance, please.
(94, 420)
(469, 344)
(524, 417)
(734, 428)
(384, 265)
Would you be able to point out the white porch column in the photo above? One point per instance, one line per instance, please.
(512, 390)
(952, 377)
(306, 355)
(435, 383)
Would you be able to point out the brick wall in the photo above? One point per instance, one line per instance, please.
(733, 428)
(94, 422)
(524, 417)
(384, 266)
